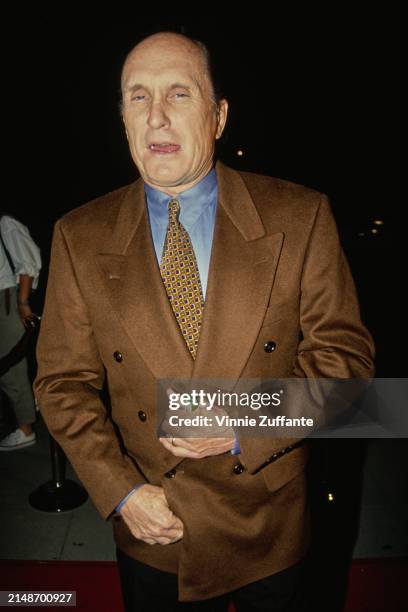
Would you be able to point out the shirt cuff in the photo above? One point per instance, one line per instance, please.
(119, 506)
(236, 449)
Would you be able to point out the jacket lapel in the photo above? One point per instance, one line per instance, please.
(241, 275)
(242, 270)
(132, 279)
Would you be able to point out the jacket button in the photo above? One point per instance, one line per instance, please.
(269, 346)
(238, 468)
(117, 355)
(142, 415)
(170, 473)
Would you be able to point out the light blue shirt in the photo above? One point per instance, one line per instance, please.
(198, 206)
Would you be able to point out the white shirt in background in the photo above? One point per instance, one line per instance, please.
(23, 251)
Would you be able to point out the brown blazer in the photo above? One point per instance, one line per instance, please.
(277, 273)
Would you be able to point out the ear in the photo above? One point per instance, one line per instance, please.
(124, 123)
(222, 113)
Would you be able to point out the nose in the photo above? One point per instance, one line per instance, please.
(157, 116)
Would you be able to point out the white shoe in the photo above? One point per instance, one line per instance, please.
(17, 439)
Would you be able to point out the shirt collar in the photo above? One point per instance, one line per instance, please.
(192, 202)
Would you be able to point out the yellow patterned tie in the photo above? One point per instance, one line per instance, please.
(181, 278)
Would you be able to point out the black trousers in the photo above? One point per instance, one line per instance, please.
(146, 589)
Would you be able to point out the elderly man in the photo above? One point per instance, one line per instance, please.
(207, 520)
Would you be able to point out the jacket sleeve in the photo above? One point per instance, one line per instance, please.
(334, 343)
(68, 385)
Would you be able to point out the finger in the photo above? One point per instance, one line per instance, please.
(169, 520)
(194, 444)
(148, 541)
(173, 536)
(205, 447)
(196, 448)
(155, 529)
(166, 442)
(173, 529)
(177, 537)
(178, 451)
(155, 534)
(164, 541)
(197, 445)
(187, 443)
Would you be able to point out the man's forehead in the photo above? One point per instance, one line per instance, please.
(161, 79)
(159, 63)
(163, 74)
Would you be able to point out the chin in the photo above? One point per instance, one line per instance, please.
(165, 178)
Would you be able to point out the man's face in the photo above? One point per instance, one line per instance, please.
(170, 118)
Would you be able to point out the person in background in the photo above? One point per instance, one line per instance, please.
(20, 265)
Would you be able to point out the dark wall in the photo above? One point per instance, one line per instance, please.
(305, 105)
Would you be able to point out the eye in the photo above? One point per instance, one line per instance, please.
(179, 95)
(139, 95)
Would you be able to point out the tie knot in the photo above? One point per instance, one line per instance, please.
(174, 210)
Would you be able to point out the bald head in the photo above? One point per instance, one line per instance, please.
(170, 113)
(172, 42)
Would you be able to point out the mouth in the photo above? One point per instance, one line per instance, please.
(164, 148)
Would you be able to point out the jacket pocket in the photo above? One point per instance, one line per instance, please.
(277, 474)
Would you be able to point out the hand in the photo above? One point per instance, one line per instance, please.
(198, 448)
(149, 517)
(26, 314)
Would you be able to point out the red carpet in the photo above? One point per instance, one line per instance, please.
(376, 585)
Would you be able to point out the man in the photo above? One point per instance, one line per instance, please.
(192, 520)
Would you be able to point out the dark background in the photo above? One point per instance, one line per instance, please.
(309, 102)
